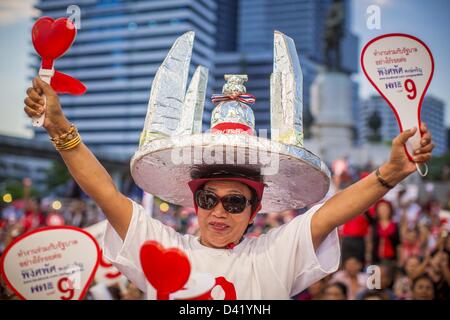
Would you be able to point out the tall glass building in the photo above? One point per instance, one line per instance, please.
(432, 113)
(118, 50)
(122, 43)
(302, 20)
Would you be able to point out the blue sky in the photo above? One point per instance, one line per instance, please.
(429, 20)
(15, 26)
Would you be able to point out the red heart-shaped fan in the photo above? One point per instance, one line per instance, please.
(167, 270)
(52, 38)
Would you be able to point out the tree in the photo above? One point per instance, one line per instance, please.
(16, 189)
(57, 176)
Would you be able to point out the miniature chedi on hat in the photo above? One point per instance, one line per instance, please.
(233, 113)
(173, 150)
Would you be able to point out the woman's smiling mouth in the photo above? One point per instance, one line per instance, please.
(219, 226)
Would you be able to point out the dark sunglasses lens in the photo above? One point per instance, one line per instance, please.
(206, 200)
(234, 203)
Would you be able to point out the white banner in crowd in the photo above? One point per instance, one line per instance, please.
(400, 67)
(444, 215)
(106, 272)
(51, 263)
(147, 203)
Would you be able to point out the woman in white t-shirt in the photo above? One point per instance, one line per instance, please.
(276, 265)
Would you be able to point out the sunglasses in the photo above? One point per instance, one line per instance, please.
(232, 203)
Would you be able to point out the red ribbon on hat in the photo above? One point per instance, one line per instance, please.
(233, 127)
(51, 39)
(245, 98)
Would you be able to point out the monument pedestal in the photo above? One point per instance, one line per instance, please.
(331, 101)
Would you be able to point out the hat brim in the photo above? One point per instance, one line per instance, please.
(294, 176)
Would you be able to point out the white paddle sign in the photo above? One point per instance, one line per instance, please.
(51, 263)
(400, 67)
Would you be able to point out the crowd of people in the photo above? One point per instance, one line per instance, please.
(398, 249)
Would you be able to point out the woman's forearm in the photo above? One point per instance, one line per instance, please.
(84, 167)
(352, 201)
(358, 197)
(96, 182)
(90, 175)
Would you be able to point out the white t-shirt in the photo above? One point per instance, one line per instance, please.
(276, 265)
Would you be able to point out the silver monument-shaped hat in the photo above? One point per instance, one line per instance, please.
(173, 150)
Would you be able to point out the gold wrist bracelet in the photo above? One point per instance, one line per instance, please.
(71, 144)
(68, 140)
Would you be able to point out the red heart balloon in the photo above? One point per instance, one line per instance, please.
(167, 270)
(52, 38)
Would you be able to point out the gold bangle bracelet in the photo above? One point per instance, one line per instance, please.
(65, 137)
(67, 140)
(70, 147)
(70, 144)
(61, 145)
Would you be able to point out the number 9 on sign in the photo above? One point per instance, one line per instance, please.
(65, 285)
(410, 87)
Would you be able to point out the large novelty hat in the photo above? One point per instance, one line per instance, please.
(173, 150)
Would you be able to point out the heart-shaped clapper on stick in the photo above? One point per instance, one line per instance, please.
(51, 263)
(400, 67)
(51, 39)
(167, 270)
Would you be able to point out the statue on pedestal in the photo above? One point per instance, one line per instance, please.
(334, 31)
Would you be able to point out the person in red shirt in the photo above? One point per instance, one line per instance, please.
(385, 233)
(354, 234)
(33, 217)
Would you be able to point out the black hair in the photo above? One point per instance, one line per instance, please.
(390, 272)
(224, 171)
(373, 293)
(422, 277)
(254, 200)
(437, 250)
(390, 206)
(353, 257)
(341, 286)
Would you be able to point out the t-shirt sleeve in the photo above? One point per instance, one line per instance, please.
(124, 254)
(289, 252)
